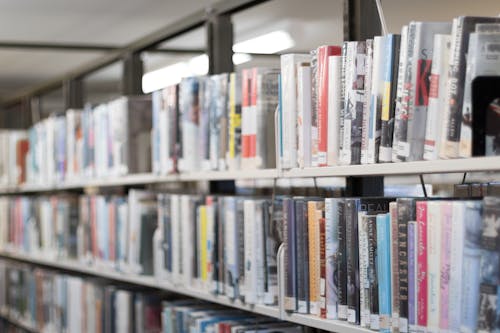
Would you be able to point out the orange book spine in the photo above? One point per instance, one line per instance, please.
(314, 265)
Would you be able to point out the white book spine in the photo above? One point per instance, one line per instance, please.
(164, 136)
(334, 108)
(364, 284)
(345, 153)
(456, 266)
(250, 249)
(304, 105)
(369, 82)
(437, 97)
(434, 268)
(187, 239)
(289, 107)
(230, 248)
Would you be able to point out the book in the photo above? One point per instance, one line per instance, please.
(367, 101)
(396, 47)
(482, 60)
(234, 133)
(323, 53)
(332, 247)
(395, 301)
(342, 262)
(433, 264)
(303, 236)
(189, 108)
(462, 27)
(437, 101)
(334, 108)
(303, 119)
(421, 273)
(488, 288)
(314, 215)
(384, 271)
(412, 276)
(290, 66)
(290, 302)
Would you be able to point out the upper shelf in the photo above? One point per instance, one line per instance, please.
(477, 164)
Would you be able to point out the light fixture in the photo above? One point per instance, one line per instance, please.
(266, 44)
(241, 58)
(173, 74)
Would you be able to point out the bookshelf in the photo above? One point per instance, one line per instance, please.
(466, 165)
(17, 321)
(476, 164)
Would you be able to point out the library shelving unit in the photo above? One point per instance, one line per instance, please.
(219, 50)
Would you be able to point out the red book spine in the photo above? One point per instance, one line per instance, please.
(322, 267)
(322, 84)
(22, 151)
(422, 263)
(254, 93)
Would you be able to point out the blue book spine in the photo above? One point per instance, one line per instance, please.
(384, 271)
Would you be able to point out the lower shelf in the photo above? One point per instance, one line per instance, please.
(151, 282)
(18, 322)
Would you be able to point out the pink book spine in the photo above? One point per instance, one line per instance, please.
(446, 216)
(422, 263)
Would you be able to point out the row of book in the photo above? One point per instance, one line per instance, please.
(219, 244)
(381, 263)
(406, 265)
(394, 98)
(204, 123)
(53, 302)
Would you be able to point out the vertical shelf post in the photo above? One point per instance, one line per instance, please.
(73, 94)
(219, 43)
(133, 69)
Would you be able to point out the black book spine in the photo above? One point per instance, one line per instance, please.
(489, 289)
(372, 270)
(352, 251)
(291, 250)
(241, 248)
(302, 256)
(406, 213)
(342, 263)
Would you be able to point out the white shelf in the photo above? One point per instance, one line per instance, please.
(484, 165)
(151, 282)
(476, 164)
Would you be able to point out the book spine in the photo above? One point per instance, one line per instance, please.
(323, 53)
(314, 268)
(266, 103)
(303, 261)
(395, 62)
(393, 216)
(322, 264)
(230, 247)
(334, 108)
(352, 249)
(401, 147)
(456, 260)
(384, 271)
(489, 285)
(437, 88)
(406, 213)
(346, 121)
(421, 214)
(332, 245)
(373, 278)
(412, 284)
(304, 116)
(234, 144)
(471, 266)
(291, 255)
(289, 106)
(367, 101)
(251, 238)
(364, 285)
(357, 101)
(420, 84)
(375, 96)
(433, 264)
(342, 263)
(314, 112)
(444, 297)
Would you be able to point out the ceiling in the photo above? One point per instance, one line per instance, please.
(119, 22)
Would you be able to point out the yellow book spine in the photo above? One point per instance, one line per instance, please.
(313, 257)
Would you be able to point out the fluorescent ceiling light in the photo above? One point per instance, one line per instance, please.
(241, 58)
(266, 44)
(173, 74)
